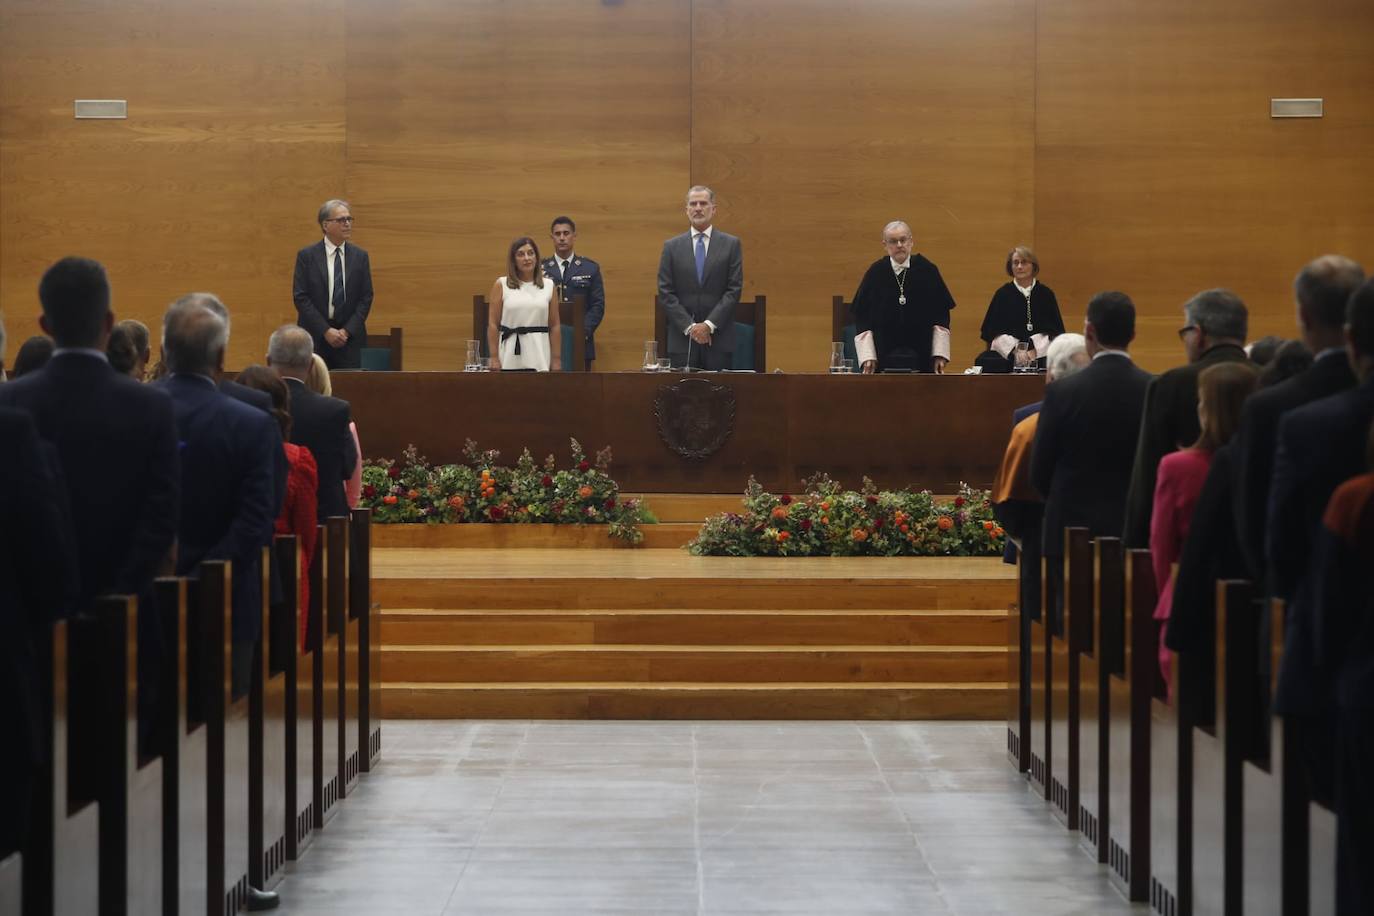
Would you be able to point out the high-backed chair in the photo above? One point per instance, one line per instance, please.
(842, 327)
(572, 322)
(382, 352)
(751, 333)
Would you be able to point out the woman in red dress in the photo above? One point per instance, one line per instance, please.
(298, 510)
(1222, 389)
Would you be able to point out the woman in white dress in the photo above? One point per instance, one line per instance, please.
(522, 322)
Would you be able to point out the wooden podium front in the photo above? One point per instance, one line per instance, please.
(922, 431)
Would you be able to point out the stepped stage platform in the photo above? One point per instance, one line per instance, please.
(549, 632)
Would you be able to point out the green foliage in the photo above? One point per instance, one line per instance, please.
(482, 490)
(827, 520)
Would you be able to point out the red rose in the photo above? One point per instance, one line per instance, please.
(959, 502)
(547, 481)
(609, 504)
(786, 500)
(873, 500)
(878, 523)
(806, 524)
(497, 513)
(393, 472)
(369, 491)
(585, 465)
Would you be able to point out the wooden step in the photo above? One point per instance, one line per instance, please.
(779, 701)
(694, 664)
(754, 593)
(426, 626)
(689, 507)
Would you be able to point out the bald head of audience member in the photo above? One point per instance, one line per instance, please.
(75, 295)
(1068, 353)
(194, 337)
(1322, 290)
(289, 352)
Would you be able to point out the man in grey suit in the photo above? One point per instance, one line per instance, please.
(700, 276)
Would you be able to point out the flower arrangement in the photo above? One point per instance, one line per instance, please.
(482, 490)
(827, 520)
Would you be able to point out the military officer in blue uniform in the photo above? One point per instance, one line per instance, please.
(574, 275)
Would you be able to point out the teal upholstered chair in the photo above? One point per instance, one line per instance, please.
(382, 352)
(842, 327)
(751, 334)
(571, 322)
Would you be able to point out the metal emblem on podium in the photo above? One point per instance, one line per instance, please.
(695, 416)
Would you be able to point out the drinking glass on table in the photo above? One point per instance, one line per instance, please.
(650, 356)
(837, 356)
(472, 362)
(664, 364)
(1024, 363)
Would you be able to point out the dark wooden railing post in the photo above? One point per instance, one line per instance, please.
(268, 725)
(1066, 645)
(1100, 652)
(360, 606)
(1133, 674)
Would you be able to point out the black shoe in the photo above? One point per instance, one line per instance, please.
(258, 901)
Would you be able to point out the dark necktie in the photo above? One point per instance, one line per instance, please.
(336, 302)
(701, 257)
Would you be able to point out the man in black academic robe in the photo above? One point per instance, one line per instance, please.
(901, 310)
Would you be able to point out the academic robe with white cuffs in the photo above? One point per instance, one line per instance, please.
(897, 334)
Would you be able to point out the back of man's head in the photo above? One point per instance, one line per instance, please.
(1218, 313)
(289, 350)
(75, 293)
(193, 337)
(1067, 354)
(1359, 327)
(1112, 315)
(1323, 288)
(214, 304)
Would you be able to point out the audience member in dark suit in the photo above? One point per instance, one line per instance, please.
(332, 288)
(38, 579)
(227, 469)
(1015, 503)
(1305, 476)
(1322, 290)
(1085, 442)
(1222, 390)
(575, 275)
(1214, 328)
(116, 446)
(700, 278)
(319, 423)
(1344, 630)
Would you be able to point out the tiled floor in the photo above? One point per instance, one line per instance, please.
(695, 818)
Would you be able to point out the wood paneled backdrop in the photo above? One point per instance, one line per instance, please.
(1129, 142)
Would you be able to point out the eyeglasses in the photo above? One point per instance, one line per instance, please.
(904, 240)
(340, 219)
(1183, 331)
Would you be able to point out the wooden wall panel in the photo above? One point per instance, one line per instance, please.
(818, 122)
(235, 136)
(1160, 172)
(471, 123)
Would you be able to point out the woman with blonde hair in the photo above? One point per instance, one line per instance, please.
(317, 380)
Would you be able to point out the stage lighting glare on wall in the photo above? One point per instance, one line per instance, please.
(102, 109)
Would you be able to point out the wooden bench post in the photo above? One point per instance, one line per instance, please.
(302, 700)
(1041, 655)
(1065, 646)
(267, 736)
(328, 678)
(1131, 682)
(361, 606)
(74, 854)
(350, 678)
(1100, 652)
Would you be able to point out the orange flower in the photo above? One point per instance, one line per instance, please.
(905, 528)
(584, 491)
(780, 512)
(859, 534)
(945, 523)
(456, 502)
(413, 494)
(988, 526)
(782, 536)
(999, 532)
(389, 500)
(825, 505)
(825, 519)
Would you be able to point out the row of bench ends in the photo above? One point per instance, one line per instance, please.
(1186, 802)
(175, 806)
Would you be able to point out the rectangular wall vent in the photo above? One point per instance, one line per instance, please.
(102, 108)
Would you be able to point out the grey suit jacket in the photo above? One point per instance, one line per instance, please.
(687, 301)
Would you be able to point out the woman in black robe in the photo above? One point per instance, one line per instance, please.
(1021, 311)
